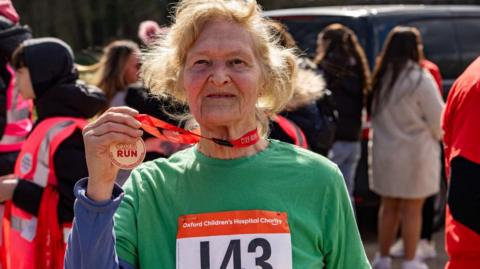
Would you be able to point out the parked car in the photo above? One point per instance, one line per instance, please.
(450, 33)
(451, 40)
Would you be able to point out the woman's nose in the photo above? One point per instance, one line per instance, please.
(220, 75)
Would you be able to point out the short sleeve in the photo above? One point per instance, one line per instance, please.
(342, 244)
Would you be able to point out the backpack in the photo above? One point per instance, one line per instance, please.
(317, 120)
(324, 115)
(328, 116)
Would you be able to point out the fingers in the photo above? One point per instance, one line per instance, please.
(10, 176)
(123, 109)
(111, 137)
(116, 125)
(118, 117)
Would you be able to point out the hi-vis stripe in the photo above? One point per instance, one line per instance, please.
(41, 172)
(18, 114)
(12, 139)
(16, 129)
(66, 233)
(28, 228)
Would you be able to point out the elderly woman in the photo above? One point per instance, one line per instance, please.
(266, 204)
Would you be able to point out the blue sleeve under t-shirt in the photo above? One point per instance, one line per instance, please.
(97, 218)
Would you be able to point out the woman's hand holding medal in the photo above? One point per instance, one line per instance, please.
(117, 126)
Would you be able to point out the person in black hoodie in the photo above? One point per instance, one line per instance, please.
(46, 73)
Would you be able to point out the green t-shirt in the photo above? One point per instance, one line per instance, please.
(281, 178)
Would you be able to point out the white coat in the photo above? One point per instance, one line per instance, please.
(405, 149)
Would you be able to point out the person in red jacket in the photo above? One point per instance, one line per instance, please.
(462, 160)
(435, 72)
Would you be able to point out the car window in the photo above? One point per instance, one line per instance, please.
(440, 45)
(468, 32)
(306, 28)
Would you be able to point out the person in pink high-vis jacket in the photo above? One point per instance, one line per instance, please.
(15, 113)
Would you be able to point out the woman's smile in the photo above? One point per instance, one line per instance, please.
(221, 96)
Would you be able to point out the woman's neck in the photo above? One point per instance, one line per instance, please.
(211, 149)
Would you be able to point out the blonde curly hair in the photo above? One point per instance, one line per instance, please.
(163, 64)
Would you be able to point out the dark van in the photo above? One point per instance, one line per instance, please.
(451, 37)
(451, 34)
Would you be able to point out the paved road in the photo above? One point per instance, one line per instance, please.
(436, 263)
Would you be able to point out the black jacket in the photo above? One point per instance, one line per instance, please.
(60, 95)
(311, 108)
(347, 89)
(317, 120)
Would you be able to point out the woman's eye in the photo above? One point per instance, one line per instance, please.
(201, 62)
(238, 62)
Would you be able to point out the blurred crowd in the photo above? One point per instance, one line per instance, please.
(44, 106)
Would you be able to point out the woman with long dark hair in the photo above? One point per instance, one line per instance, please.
(405, 112)
(344, 66)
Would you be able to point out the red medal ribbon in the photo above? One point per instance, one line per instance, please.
(162, 129)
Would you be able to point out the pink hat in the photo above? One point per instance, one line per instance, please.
(8, 11)
(149, 30)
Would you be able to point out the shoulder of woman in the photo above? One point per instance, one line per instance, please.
(179, 158)
(306, 160)
(161, 168)
(411, 75)
(413, 69)
(426, 80)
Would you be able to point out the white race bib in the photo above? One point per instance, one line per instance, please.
(250, 239)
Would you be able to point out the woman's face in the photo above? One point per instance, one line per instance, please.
(24, 83)
(222, 75)
(131, 69)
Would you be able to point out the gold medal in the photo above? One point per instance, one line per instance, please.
(127, 156)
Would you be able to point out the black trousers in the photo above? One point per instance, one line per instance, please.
(427, 218)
